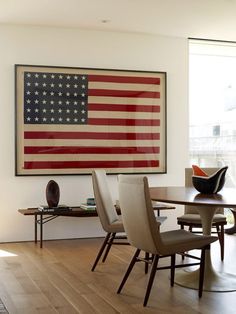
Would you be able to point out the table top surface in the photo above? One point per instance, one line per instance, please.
(190, 196)
(75, 211)
(80, 212)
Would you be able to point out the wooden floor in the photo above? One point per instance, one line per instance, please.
(57, 279)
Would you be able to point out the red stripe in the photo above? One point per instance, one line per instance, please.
(126, 108)
(91, 164)
(92, 135)
(124, 79)
(126, 122)
(123, 93)
(90, 150)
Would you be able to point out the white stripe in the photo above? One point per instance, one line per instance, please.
(124, 115)
(90, 143)
(88, 157)
(218, 179)
(89, 170)
(125, 86)
(88, 128)
(125, 101)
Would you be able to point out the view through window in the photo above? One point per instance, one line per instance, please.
(212, 109)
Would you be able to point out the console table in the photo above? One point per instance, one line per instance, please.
(42, 217)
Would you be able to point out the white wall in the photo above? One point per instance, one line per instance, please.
(75, 48)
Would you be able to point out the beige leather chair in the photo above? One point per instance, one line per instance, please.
(111, 222)
(109, 218)
(144, 234)
(192, 219)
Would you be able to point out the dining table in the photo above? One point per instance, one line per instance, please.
(207, 205)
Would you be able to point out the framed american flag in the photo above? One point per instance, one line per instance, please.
(72, 120)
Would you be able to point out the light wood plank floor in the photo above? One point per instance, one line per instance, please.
(57, 279)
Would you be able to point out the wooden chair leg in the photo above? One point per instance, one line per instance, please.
(201, 272)
(131, 265)
(146, 263)
(221, 236)
(172, 270)
(101, 250)
(109, 244)
(182, 227)
(148, 258)
(222, 242)
(151, 279)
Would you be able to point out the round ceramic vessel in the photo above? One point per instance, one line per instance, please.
(212, 184)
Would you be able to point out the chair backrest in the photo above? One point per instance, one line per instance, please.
(137, 214)
(104, 204)
(188, 182)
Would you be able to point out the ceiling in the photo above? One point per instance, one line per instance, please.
(209, 19)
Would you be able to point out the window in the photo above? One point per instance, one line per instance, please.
(212, 98)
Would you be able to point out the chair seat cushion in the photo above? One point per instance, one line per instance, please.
(161, 219)
(195, 218)
(116, 226)
(181, 240)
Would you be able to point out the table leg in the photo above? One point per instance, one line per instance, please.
(213, 280)
(35, 228)
(41, 231)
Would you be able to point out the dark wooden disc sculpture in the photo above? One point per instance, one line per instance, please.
(52, 193)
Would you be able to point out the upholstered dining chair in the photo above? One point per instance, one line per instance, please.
(107, 214)
(192, 219)
(111, 222)
(144, 234)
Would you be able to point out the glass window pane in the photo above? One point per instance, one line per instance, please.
(212, 110)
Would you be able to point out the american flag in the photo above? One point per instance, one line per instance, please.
(75, 120)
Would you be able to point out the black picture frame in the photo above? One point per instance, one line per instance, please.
(118, 122)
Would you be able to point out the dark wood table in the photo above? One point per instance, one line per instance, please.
(42, 217)
(206, 204)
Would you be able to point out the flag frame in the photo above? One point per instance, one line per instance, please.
(135, 161)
